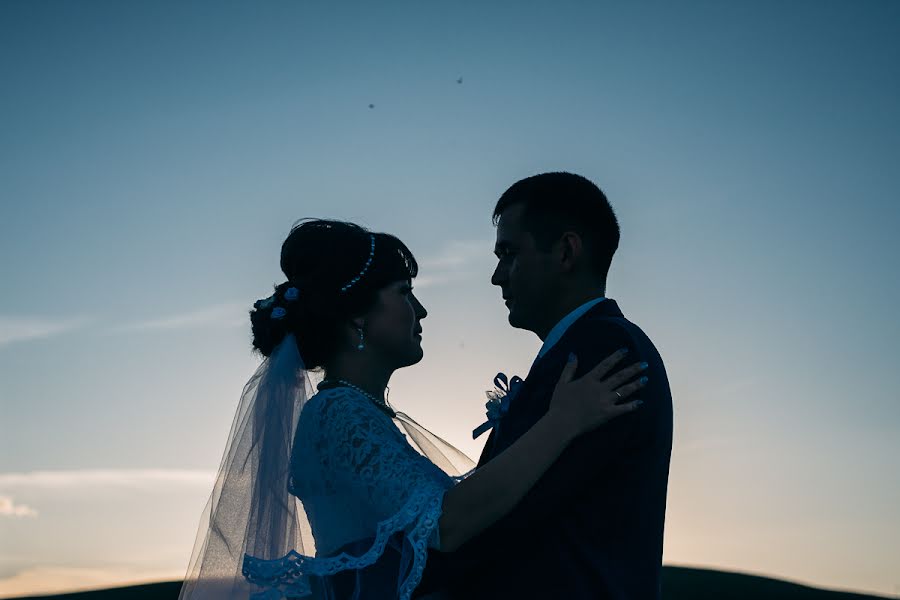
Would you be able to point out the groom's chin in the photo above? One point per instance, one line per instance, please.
(514, 319)
(516, 322)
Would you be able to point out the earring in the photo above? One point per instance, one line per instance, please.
(361, 344)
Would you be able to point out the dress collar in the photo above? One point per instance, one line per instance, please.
(560, 328)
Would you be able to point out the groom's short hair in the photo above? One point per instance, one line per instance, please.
(558, 202)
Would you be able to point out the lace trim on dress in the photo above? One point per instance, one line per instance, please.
(288, 576)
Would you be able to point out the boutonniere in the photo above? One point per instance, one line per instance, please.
(498, 401)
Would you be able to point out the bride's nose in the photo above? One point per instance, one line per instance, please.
(421, 313)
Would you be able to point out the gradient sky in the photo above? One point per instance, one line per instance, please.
(153, 156)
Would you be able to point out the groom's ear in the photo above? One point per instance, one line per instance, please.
(570, 250)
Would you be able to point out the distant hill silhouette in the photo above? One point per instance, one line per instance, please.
(679, 583)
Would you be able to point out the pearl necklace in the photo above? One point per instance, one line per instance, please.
(380, 402)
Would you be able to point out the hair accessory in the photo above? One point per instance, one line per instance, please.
(365, 268)
(278, 312)
(264, 303)
(291, 294)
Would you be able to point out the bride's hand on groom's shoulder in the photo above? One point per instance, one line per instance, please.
(580, 405)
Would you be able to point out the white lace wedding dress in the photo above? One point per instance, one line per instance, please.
(373, 503)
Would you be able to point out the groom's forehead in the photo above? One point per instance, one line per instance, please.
(506, 238)
(509, 226)
(511, 232)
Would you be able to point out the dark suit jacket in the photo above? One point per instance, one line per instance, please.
(592, 526)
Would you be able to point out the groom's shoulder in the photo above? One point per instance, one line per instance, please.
(605, 324)
(599, 333)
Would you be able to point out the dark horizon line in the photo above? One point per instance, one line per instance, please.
(680, 582)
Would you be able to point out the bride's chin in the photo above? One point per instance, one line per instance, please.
(417, 355)
(409, 358)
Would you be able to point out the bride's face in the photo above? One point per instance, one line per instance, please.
(393, 330)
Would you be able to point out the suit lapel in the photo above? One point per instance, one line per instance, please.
(530, 402)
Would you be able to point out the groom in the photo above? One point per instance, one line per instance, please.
(592, 526)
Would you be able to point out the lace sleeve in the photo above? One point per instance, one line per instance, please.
(373, 503)
(363, 450)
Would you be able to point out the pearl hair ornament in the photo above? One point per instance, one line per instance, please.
(365, 267)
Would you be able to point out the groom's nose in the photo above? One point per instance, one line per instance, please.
(499, 276)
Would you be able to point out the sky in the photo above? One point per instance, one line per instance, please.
(154, 155)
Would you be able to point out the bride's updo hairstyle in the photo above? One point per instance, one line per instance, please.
(331, 280)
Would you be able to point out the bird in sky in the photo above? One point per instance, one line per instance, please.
(459, 80)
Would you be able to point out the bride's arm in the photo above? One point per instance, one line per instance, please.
(493, 490)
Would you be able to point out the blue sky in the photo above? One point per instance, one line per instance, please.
(153, 156)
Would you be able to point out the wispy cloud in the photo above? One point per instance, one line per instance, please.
(8, 508)
(453, 262)
(130, 478)
(219, 315)
(58, 579)
(103, 502)
(19, 329)
(458, 253)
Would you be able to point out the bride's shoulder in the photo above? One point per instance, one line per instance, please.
(337, 401)
(328, 410)
(338, 395)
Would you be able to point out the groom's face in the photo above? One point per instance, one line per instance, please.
(526, 276)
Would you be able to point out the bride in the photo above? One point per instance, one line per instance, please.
(334, 494)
